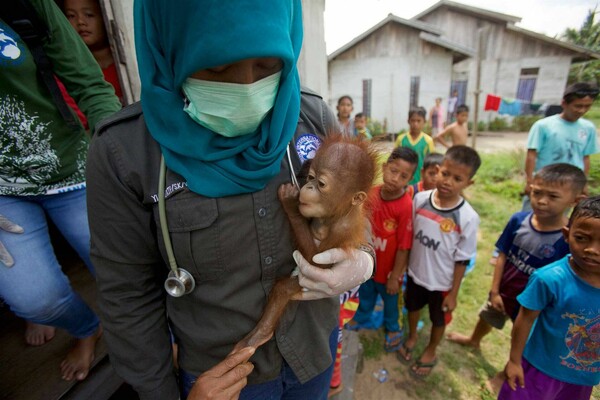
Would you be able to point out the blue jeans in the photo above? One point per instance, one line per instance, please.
(285, 387)
(35, 288)
(368, 297)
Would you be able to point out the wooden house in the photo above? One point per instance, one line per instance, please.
(396, 64)
(515, 63)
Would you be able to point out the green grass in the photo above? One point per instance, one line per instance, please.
(462, 373)
(594, 113)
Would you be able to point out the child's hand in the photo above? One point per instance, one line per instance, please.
(449, 304)
(497, 303)
(392, 286)
(514, 374)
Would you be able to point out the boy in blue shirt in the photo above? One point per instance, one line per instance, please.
(560, 358)
(565, 137)
(529, 241)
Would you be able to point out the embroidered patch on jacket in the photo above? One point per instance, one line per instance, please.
(307, 145)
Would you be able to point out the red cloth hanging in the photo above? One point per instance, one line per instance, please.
(492, 103)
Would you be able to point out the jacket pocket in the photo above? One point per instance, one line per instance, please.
(193, 228)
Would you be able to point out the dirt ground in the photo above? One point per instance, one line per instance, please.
(401, 385)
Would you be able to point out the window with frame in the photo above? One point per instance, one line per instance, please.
(415, 82)
(366, 95)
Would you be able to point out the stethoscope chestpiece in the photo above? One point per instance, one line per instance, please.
(179, 283)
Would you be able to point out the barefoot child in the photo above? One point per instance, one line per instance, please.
(391, 214)
(457, 131)
(445, 239)
(416, 139)
(560, 358)
(529, 241)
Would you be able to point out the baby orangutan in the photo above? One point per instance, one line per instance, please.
(326, 213)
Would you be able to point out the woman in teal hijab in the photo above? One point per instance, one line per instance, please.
(169, 52)
(221, 102)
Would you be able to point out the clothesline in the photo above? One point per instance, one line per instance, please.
(510, 106)
(510, 99)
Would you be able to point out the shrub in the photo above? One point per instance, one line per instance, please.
(501, 173)
(375, 127)
(498, 125)
(497, 167)
(523, 123)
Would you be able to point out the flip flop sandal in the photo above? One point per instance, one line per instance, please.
(419, 364)
(335, 390)
(407, 352)
(393, 341)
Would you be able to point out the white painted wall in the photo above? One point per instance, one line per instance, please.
(501, 77)
(505, 53)
(391, 83)
(312, 64)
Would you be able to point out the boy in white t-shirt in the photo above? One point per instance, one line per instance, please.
(445, 239)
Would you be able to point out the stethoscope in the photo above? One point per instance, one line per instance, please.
(180, 282)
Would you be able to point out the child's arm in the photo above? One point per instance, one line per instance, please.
(520, 333)
(441, 137)
(530, 160)
(449, 303)
(398, 141)
(393, 283)
(495, 298)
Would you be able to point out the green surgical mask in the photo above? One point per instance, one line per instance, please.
(230, 109)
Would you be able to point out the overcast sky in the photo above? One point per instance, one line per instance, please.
(346, 19)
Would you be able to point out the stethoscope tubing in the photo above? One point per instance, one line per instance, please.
(162, 214)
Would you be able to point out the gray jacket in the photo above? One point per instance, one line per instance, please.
(236, 248)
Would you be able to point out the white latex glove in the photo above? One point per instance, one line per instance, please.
(8, 226)
(349, 270)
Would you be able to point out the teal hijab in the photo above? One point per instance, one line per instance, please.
(179, 37)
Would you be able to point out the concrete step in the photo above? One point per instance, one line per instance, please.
(352, 353)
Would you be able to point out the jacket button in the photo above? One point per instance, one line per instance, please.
(262, 212)
(268, 260)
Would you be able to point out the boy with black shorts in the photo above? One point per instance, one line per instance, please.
(445, 239)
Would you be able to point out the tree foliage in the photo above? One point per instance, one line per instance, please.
(588, 36)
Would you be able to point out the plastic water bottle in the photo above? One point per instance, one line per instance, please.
(381, 375)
